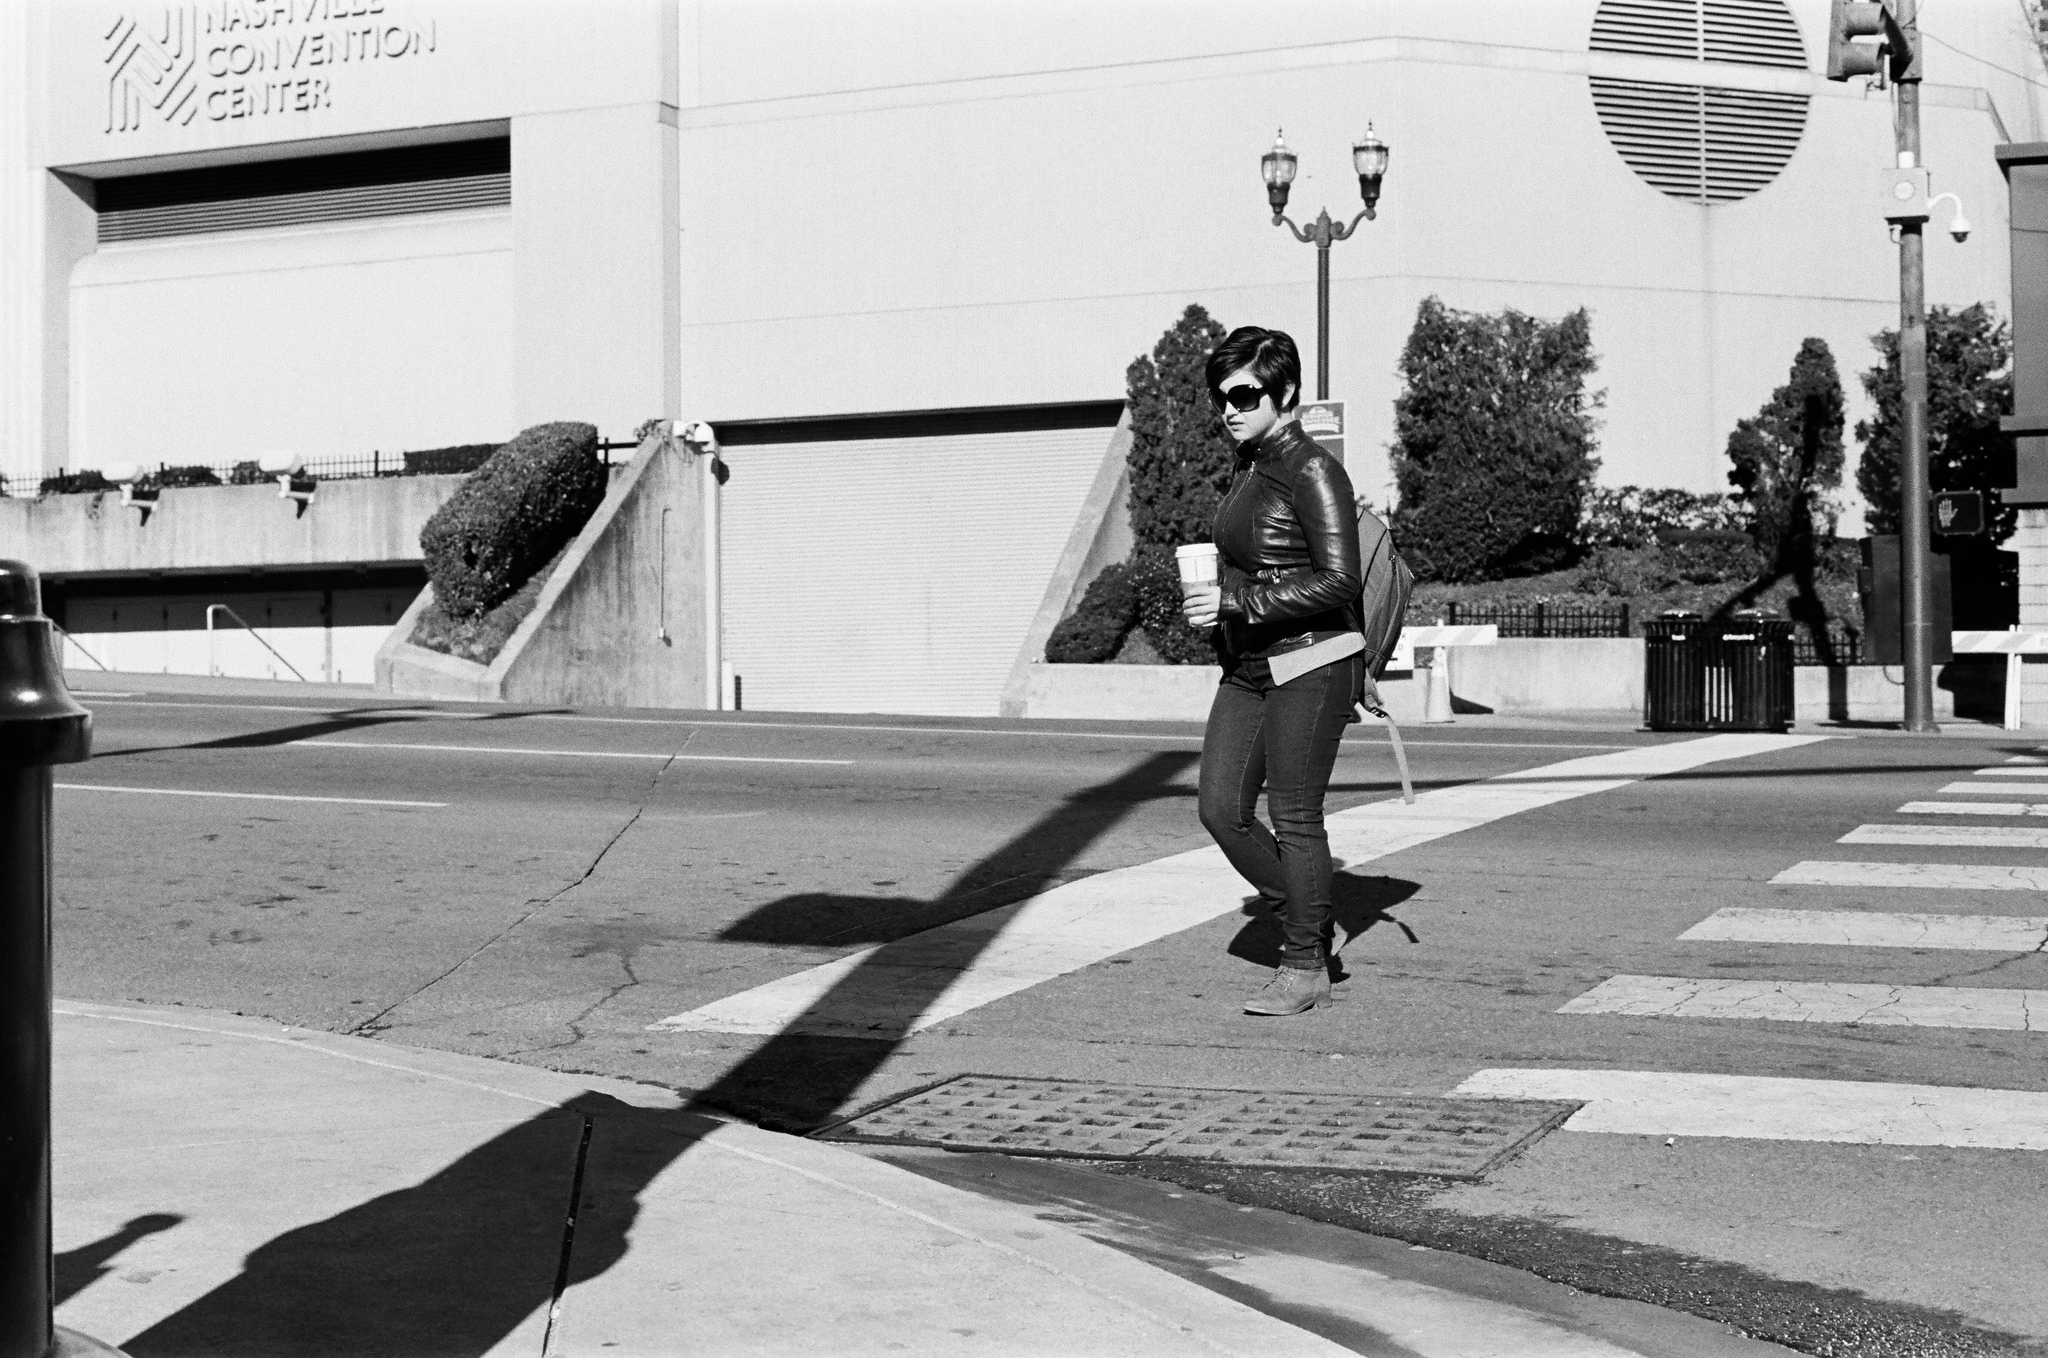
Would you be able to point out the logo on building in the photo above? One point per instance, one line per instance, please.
(152, 69)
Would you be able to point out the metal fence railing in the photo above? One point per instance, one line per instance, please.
(1845, 647)
(1531, 620)
(359, 467)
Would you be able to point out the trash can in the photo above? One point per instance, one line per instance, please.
(1731, 675)
(1674, 673)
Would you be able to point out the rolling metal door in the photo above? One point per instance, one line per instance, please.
(894, 575)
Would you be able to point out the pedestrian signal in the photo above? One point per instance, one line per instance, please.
(1959, 513)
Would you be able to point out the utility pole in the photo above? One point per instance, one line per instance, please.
(1897, 55)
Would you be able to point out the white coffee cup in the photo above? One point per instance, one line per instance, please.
(1197, 563)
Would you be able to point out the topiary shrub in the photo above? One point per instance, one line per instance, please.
(248, 474)
(1494, 442)
(1095, 630)
(1180, 458)
(460, 459)
(1155, 579)
(505, 522)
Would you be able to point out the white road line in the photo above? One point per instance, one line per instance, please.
(1870, 929)
(2028, 759)
(1974, 809)
(1945, 876)
(1908, 1006)
(902, 987)
(244, 796)
(2007, 771)
(566, 754)
(1958, 836)
(1767, 1108)
(2008, 789)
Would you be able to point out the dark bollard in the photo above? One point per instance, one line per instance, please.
(40, 725)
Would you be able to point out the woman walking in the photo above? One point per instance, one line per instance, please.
(1286, 608)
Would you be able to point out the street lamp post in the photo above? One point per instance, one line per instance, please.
(1369, 158)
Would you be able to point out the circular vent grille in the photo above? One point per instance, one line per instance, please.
(1700, 142)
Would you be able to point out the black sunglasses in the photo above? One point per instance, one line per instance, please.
(1245, 397)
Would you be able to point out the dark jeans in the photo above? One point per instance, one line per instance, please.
(1284, 737)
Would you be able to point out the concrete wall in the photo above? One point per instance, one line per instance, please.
(621, 622)
(326, 340)
(1545, 675)
(1101, 537)
(224, 528)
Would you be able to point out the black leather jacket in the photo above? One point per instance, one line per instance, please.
(1287, 539)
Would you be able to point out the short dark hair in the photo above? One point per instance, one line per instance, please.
(1271, 356)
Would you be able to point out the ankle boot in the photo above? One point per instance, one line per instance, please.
(1291, 991)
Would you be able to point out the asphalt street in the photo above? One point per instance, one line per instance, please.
(550, 887)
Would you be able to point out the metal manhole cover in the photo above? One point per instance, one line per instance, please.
(1450, 1138)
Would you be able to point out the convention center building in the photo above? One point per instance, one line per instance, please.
(902, 254)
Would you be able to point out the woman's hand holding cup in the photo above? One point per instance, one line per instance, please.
(1199, 595)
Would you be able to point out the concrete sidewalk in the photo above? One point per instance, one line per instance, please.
(226, 1187)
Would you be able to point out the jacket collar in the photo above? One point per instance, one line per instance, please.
(1278, 441)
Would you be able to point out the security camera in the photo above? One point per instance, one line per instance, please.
(280, 464)
(1960, 228)
(122, 473)
(701, 436)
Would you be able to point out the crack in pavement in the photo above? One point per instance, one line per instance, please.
(371, 1025)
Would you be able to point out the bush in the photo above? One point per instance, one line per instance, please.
(1629, 516)
(462, 458)
(1096, 630)
(74, 483)
(1181, 458)
(1155, 579)
(1493, 448)
(526, 501)
(173, 478)
(1788, 459)
(248, 474)
(1969, 385)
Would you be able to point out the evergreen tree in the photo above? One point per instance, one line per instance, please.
(1788, 459)
(1969, 385)
(1180, 456)
(1494, 441)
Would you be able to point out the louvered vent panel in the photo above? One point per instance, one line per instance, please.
(1701, 144)
(401, 181)
(1698, 141)
(1753, 33)
(1648, 28)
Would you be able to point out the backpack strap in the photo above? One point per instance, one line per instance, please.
(1400, 754)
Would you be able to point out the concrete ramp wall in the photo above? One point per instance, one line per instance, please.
(621, 622)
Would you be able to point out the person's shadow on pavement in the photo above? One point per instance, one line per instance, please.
(1356, 905)
(450, 1266)
(76, 1270)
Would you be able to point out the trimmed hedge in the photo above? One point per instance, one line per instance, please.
(174, 478)
(1095, 630)
(504, 523)
(75, 483)
(1156, 577)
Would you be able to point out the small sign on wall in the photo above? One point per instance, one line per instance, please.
(1323, 421)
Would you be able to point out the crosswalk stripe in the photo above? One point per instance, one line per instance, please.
(1815, 1002)
(1773, 1108)
(1872, 929)
(2008, 771)
(1961, 836)
(898, 988)
(1944, 876)
(1974, 809)
(2006, 789)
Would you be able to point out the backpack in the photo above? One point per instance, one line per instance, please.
(1382, 609)
(1383, 602)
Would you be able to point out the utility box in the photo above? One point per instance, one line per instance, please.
(1884, 615)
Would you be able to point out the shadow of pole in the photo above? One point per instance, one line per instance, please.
(799, 1078)
(452, 1265)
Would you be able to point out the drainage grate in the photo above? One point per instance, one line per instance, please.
(1450, 1138)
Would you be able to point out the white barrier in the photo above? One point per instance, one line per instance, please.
(1438, 638)
(2013, 645)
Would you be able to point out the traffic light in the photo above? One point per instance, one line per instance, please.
(1896, 53)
